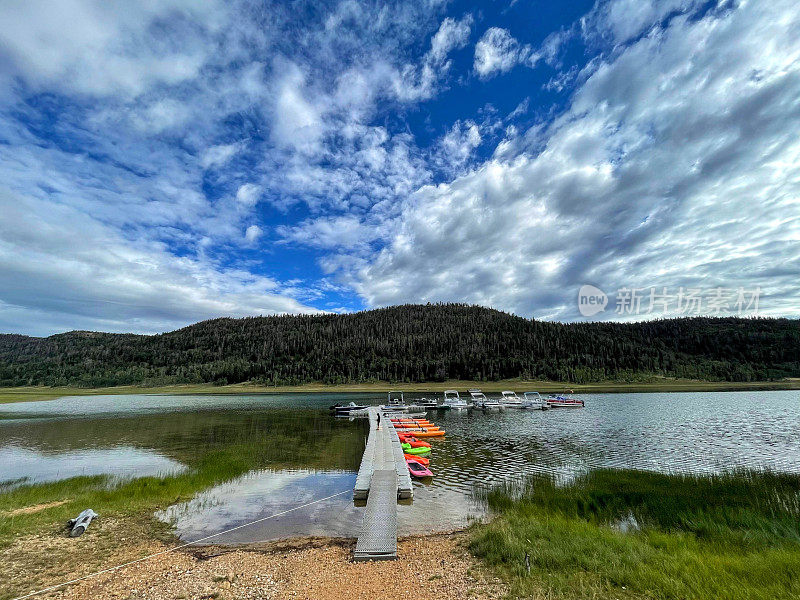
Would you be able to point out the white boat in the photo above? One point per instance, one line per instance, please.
(535, 401)
(395, 402)
(346, 409)
(511, 400)
(428, 403)
(453, 401)
(480, 400)
(564, 401)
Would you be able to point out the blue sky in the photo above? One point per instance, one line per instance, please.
(167, 162)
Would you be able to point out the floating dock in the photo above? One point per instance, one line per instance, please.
(382, 479)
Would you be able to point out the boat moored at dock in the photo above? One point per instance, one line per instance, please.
(510, 399)
(535, 401)
(347, 409)
(479, 400)
(564, 400)
(427, 403)
(453, 401)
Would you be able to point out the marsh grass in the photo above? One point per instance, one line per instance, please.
(735, 535)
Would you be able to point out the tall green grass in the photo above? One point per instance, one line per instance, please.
(615, 534)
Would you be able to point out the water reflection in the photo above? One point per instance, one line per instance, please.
(23, 466)
(264, 493)
(298, 453)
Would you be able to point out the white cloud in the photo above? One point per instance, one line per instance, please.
(161, 115)
(248, 194)
(497, 51)
(219, 155)
(102, 48)
(673, 166)
(457, 146)
(620, 21)
(326, 232)
(297, 122)
(100, 280)
(451, 34)
(252, 233)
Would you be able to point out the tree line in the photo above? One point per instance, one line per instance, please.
(410, 343)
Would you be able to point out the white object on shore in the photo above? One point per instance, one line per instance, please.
(81, 523)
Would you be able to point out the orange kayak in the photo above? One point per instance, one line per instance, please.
(411, 430)
(424, 434)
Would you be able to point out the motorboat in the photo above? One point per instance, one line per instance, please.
(346, 409)
(479, 400)
(535, 401)
(427, 403)
(564, 400)
(453, 401)
(511, 400)
(395, 402)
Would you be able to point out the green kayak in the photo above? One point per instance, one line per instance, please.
(421, 451)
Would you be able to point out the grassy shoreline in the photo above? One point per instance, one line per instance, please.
(634, 534)
(34, 393)
(610, 534)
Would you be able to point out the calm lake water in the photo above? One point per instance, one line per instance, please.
(299, 453)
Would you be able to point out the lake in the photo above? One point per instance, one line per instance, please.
(297, 453)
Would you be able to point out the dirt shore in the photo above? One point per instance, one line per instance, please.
(437, 566)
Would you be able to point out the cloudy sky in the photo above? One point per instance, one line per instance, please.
(163, 162)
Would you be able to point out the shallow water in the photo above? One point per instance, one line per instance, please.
(315, 455)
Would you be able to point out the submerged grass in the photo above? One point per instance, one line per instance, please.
(140, 497)
(33, 541)
(630, 534)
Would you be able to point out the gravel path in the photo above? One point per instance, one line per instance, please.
(437, 566)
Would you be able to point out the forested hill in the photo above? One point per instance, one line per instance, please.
(409, 343)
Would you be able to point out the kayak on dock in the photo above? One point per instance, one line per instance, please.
(417, 469)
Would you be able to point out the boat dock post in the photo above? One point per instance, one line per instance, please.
(382, 479)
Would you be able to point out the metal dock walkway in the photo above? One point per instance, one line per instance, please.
(382, 479)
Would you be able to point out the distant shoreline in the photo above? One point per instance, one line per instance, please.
(35, 393)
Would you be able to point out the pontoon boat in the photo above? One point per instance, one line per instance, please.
(564, 401)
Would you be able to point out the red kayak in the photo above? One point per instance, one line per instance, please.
(417, 469)
(415, 443)
(420, 459)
